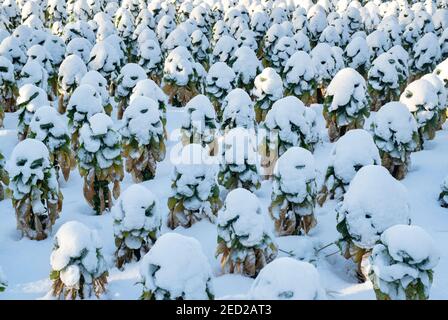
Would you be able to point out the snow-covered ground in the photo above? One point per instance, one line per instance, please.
(26, 263)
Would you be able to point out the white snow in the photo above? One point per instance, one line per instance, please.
(136, 214)
(287, 279)
(176, 267)
(368, 207)
(353, 150)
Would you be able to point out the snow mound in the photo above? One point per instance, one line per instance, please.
(176, 267)
(287, 279)
(368, 207)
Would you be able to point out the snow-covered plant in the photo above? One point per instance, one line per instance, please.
(246, 66)
(4, 178)
(324, 66)
(200, 47)
(128, 77)
(357, 55)
(237, 111)
(294, 192)
(11, 50)
(8, 88)
(99, 161)
(331, 36)
(346, 103)
(78, 268)
(391, 27)
(194, 192)
(70, 73)
(29, 100)
(259, 23)
(350, 153)
(84, 103)
(81, 47)
(368, 210)
(56, 11)
(124, 23)
(411, 34)
(150, 56)
(317, 22)
(244, 243)
(395, 133)
(224, 49)
(55, 46)
(105, 59)
(384, 80)
(48, 126)
(143, 140)
(177, 38)
(239, 163)
(288, 124)
(137, 223)
(268, 89)
(33, 73)
(299, 73)
(248, 39)
(272, 36)
(282, 51)
(219, 29)
(402, 264)
(199, 123)
(299, 19)
(164, 27)
(34, 188)
(148, 88)
(176, 269)
(219, 81)
(287, 279)
(443, 43)
(99, 83)
(420, 97)
(378, 43)
(181, 75)
(425, 55)
(441, 95)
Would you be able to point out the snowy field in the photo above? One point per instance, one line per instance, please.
(221, 149)
(26, 262)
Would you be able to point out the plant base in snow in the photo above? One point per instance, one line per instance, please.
(81, 291)
(143, 167)
(335, 131)
(179, 96)
(97, 193)
(36, 226)
(290, 224)
(124, 254)
(397, 168)
(414, 291)
(179, 216)
(251, 264)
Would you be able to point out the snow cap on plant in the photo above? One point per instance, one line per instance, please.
(176, 268)
(402, 263)
(195, 194)
(79, 270)
(421, 99)
(368, 210)
(137, 223)
(246, 66)
(245, 245)
(238, 110)
(294, 192)
(34, 188)
(287, 279)
(350, 153)
(199, 124)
